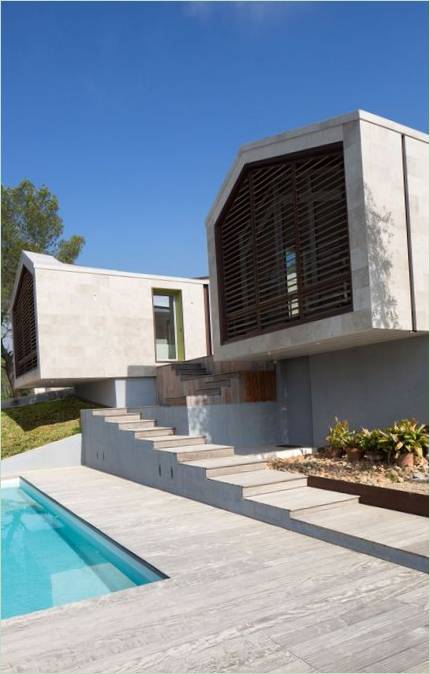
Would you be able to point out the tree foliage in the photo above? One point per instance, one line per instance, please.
(30, 221)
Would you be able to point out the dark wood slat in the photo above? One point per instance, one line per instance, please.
(24, 326)
(282, 244)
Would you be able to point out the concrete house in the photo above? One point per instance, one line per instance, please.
(318, 259)
(318, 269)
(104, 332)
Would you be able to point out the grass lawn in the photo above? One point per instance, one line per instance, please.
(35, 425)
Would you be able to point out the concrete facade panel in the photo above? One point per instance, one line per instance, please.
(370, 386)
(93, 324)
(387, 244)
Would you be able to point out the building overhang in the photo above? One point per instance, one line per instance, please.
(382, 160)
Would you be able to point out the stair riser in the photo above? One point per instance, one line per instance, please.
(269, 488)
(185, 442)
(156, 432)
(211, 454)
(227, 470)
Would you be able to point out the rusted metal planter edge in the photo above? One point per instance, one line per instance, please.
(382, 497)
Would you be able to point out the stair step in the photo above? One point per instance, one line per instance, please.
(209, 391)
(138, 425)
(238, 468)
(373, 525)
(110, 412)
(123, 418)
(175, 441)
(156, 432)
(189, 453)
(263, 481)
(217, 383)
(188, 366)
(303, 499)
(224, 466)
(175, 401)
(225, 378)
(191, 377)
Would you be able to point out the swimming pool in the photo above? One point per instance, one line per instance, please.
(51, 557)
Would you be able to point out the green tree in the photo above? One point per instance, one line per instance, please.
(30, 221)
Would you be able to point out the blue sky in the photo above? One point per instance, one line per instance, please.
(132, 113)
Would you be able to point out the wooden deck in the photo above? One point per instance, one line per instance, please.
(242, 596)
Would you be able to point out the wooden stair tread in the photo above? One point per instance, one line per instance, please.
(236, 460)
(380, 525)
(259, 477)
(301, 498)
(194, 448)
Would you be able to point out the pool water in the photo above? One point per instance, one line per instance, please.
(50, 557)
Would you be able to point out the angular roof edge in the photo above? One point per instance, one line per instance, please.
(35, 261)
(356, 115)
(48, 261)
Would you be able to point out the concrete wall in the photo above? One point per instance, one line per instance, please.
(131, 392)
(66, 452)
(98, 324)
(387, 244)
(244, 425)
(376, 152)
(370, 386)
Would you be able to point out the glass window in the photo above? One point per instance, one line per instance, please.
(291, 268)
(165, 327)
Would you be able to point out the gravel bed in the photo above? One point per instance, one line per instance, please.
(365, 472)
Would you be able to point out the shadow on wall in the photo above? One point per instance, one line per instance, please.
(136, 392)
(138, 388)
(380, 228)
(238, 424)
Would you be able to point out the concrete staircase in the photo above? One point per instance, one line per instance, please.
(121, 442)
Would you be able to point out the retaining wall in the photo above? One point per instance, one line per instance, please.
(59, 454)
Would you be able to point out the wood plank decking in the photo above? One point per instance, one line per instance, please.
(242, 596)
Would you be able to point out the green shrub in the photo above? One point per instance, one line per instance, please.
(403, 437)
(370, 441)
(340, 436)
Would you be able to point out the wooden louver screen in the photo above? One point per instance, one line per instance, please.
(24, 326)
(282, 245)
